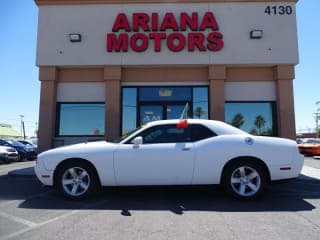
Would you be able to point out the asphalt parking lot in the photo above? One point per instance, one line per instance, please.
(287, 211)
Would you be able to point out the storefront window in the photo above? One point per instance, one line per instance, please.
(129, 110)
(200, 102)
(257, 118)
(81, 119)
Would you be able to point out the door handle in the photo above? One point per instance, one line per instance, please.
(186, 149)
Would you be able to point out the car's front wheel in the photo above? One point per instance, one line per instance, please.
(244, 179)
(76, 180)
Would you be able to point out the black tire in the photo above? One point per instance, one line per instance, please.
(234, 188)
(91, 180)
(21, 157)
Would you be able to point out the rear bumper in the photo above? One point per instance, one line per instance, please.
(288, 171)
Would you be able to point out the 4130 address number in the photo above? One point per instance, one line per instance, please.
(278, 10)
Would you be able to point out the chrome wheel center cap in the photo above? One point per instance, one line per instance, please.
(244, 180)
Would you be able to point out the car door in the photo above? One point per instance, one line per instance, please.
(166, 157)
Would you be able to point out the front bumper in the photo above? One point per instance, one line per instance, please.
(13, 156)
(3, 158)
(45, 176)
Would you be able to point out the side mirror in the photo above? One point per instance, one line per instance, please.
(137, 142)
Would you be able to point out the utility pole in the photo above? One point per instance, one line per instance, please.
(22, 127)
(317, 118)
(36, 129)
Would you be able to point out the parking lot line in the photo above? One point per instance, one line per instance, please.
(311, 172)
(33, 225)
(18, 219)
(36, 225)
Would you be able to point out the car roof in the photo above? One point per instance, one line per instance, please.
(220, 128)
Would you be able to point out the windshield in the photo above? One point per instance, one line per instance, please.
(15, 143)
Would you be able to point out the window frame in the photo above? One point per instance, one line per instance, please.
(129, 141)
(58, 113)
(274, 115)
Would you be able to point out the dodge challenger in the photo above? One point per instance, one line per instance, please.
(173, 152)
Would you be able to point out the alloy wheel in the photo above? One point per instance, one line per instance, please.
(75, 181)
(245, 181)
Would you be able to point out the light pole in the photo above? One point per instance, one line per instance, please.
(22, 127)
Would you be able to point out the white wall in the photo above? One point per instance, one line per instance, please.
(250, 91)
(81, 92)
(236, 20)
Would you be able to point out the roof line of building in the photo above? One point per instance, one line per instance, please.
(78, 2)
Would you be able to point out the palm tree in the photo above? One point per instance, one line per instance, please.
(238, 120)
(253, 131)
(259, 123)
(199, 112)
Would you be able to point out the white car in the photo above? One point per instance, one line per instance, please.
(173, 152)
(8, 154)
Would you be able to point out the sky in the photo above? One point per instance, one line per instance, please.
(20, 87)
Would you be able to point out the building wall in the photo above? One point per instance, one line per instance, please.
(235, 20)
(243, 70)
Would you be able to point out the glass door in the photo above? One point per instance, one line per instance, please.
(149, 113)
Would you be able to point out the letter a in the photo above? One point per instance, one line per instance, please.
(121, 23)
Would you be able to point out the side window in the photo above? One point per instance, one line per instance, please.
(166, 134)
(200, 132)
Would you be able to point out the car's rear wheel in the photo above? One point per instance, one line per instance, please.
(76, 180)
(244, 179)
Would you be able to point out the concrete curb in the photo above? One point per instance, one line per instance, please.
(23, 173)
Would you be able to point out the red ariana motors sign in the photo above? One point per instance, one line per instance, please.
(203, 33)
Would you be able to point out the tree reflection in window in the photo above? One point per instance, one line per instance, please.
(238, 120)
(256, 118)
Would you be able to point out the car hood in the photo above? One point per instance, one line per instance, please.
(80, 147)
(5, 149)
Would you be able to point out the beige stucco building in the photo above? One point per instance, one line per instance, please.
(109, 66)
